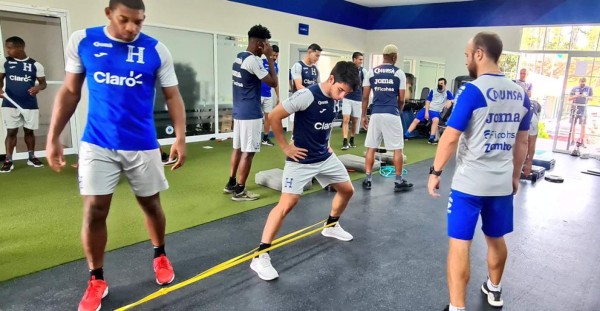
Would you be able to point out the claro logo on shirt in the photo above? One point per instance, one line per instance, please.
(26, 78)
(323, 126)
(108, 78)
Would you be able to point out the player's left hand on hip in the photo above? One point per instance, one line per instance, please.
(433, 185)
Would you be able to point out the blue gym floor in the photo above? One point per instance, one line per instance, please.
(396, 261)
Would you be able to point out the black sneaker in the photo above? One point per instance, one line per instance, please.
(403, 186)
(329, 188)
(229, 188)
(268, 142)
(430, 141)
(435, 141)
(7, 167)
(33, 161)
(352, 142)
(494, 298)
(345, 145)
(366, 184)
(575, 152)
(164, 157)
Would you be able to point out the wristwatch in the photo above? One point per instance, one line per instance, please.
(432, 171)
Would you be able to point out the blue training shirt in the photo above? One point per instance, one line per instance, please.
(357, 94)
(386, 81)
(308, 74)
(266, 89)
(313, 121)
(247, 72)
(490, 111)
(21, 75)
(120, 77)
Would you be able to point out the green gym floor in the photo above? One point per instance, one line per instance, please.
(41, 209)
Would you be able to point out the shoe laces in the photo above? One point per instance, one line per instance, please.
(163, 263)
(264, 261)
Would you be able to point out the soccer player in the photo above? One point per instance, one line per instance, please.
(121, 66)
(248, 71)
(352, 104)
(310, 155)
(266, 97)
(388, 83)
(488, 126)
(21, 72)
(305, 72)
(436, 101)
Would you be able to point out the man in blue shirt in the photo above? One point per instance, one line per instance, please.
(121, 66)
(248, 72)
(305, 73)
(488, 126)
(21, 74)
(310, 156)
(580, 96)
(388, 83)
(352, 105)
(266, 96)
(436, 101)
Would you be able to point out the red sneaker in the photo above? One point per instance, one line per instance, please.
(96, 290)
(164, 270)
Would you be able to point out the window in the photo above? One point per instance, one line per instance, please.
(508, 64)
(533, 38)
(562, 38)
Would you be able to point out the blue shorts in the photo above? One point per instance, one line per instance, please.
(432, 115)
(464, 209)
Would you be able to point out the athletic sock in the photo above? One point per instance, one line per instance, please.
(231, 181)
(369, 176)
(399, 179)
(492, 287)
(265, 136)
(453, 308)
(239, 188)
(262, 246)
(351, 140)
(431, 137)
(159, 250)
(31, 155)
(98, 274)
(345, 141)
(8, 158)
(332, 219)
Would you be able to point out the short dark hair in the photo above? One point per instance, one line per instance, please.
(259, 32)
(355, 55)
(132, 4)
(490, 43)
(16, 41)
(275, 48)
(443, 79)
(315, 47)
(345, 72)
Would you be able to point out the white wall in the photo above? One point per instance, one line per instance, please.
(219, 16)
(447, 43)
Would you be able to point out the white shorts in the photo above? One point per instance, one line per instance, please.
(15, 118)
(100, 170)
(296, 175)
(351, 108)
(267, 104)
(533, 127)
(388, 127)
(246, 135)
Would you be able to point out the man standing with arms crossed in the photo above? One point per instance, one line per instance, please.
(489, 127)
(388, 83)
(352, 104)
(121, 66)
(248, 71)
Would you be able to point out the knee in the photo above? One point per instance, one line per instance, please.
(435, 121)
(283, 209)
(248, 155)
(28, 132)
(12, 132)
(345, 189)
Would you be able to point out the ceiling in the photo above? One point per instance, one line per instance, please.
(382, 3)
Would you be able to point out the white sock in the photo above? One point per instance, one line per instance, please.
(491, 286)
(453, 308)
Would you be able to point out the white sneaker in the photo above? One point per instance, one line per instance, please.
(262, 266)
(337, 232)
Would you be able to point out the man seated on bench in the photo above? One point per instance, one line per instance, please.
(436, 101)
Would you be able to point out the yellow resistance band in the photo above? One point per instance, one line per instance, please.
(284, 240)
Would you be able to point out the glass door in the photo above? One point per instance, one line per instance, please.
(577, 121)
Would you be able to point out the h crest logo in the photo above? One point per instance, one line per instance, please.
(132, 53)
(27, 67)
(314, 71)
(288, 182)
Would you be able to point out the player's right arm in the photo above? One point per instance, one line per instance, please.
(365, 98)
(66, 101)
(297, 76)
(2, 75)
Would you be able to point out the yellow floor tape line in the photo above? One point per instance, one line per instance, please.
(284, 240)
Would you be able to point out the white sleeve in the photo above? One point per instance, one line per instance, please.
(73, 61)
(299, 101)
(400, 74)
(297, 71)
(39, 70)
(254, 65)
(368, 76)
(166, 71)
(2, 66)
